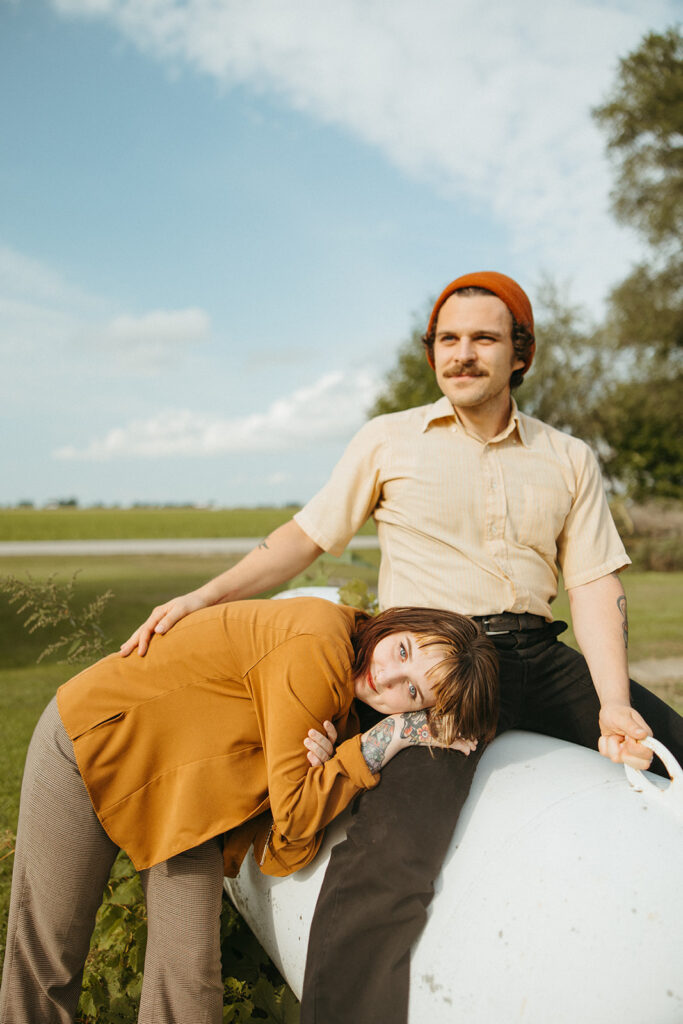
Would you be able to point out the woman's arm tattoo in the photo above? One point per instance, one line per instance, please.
(415, 728)
(621, 605)
(374, 744)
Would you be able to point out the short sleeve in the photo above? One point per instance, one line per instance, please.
(336, 513)
(589, 545)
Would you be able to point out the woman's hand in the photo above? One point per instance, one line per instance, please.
(162, 618)
(320, 747)
(415, 731)
(465, 747)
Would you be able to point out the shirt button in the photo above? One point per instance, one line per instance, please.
(494, 530)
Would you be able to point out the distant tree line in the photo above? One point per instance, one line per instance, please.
(617, 384)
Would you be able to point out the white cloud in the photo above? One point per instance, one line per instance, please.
(328, 410)
(161, 326)
(25, 278)
(149, 337)
(42, 313)
(486, 102)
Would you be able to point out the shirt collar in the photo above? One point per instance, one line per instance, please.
(442, 409)
(439, 410)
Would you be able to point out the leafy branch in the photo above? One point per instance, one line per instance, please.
(357, 594)
(50, 605)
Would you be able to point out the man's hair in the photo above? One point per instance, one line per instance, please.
(522, 337)
(464, 681)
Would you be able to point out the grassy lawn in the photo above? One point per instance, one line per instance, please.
(655, 613)
(18, 524)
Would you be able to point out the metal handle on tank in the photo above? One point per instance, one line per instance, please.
(671, 795)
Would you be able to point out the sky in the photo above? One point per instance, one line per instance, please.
(219, 219)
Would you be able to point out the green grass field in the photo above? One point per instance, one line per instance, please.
(132, 524)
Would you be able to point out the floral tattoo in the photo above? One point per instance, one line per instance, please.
(374, 745)
(415, 727)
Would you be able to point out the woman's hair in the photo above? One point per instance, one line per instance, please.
(464, 681)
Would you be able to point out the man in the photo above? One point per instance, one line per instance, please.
(477, 507)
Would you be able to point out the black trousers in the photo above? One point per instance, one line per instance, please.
(378, 884)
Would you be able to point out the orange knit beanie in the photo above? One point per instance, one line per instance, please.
(514, 297)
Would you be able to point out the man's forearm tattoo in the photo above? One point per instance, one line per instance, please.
(264, 544)
(374, 745)
(621, 605)
(415, 727)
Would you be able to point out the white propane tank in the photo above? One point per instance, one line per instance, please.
(560, 900)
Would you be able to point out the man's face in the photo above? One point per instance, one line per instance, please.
(473, 353)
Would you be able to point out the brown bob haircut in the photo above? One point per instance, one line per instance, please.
(464, 682)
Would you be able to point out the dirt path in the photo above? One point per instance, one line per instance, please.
(657, 671)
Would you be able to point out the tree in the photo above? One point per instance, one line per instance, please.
(641, 423)
(567, 378)
(641, 427)
(643, 119)
(411, 382)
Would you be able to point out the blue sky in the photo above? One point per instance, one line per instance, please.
(220, 218)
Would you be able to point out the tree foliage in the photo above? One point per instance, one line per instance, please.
(642, 427)
(411, 382)
(643, 119)
(566, 381)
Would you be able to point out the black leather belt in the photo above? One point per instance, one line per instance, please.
(509, 622)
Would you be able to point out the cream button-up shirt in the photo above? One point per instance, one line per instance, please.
(476, 526)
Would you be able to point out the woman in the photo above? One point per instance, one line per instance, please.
(186, 757)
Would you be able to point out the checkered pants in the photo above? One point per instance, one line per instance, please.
(62, 863)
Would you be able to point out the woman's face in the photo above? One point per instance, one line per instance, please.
(397, 677)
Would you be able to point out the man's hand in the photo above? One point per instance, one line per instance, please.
(320, 748)
(162, 618)
(621, 729)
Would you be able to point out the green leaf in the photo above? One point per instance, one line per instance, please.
(127, 892)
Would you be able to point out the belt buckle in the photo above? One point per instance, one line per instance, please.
(493, 632)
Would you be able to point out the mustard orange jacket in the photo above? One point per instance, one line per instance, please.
(204, 735)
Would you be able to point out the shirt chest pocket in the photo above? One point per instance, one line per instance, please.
(537, 514)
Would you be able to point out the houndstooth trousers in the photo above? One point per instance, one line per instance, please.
(62, 863)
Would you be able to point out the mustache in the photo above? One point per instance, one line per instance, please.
(471, 369)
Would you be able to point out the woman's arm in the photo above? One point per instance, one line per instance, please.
(383, 741)
(301, 683)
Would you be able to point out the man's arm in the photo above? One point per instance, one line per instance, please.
(282, 555)
(601, 629)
